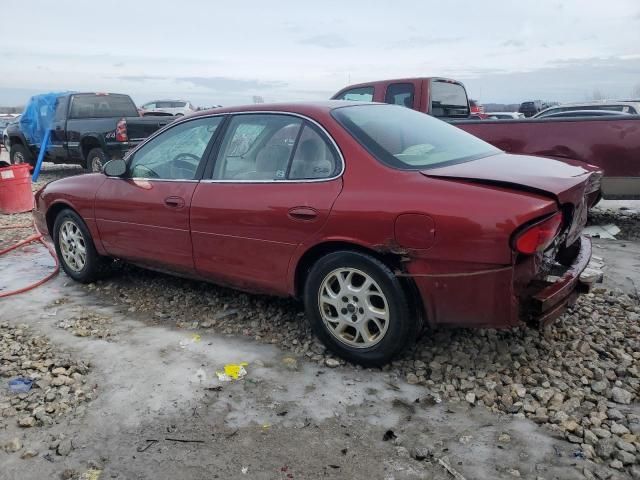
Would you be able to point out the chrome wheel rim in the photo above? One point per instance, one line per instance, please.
(96, 164)
(353, 308)
(72, 246)
(18, 158)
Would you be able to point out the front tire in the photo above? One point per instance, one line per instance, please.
(75, 248)
(358, 308)
(20, 154)
(96, 158)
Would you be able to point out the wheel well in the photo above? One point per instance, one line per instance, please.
(53, 212)
(87, 145)
(391, 260)
(15, 141)
(313, 254)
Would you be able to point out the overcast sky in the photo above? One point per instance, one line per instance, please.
(224, 52)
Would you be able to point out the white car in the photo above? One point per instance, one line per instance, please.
(631, 107)
(504, 115)
(177, 108)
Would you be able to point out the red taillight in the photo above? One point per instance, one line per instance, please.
(538, 236)
(121, 131)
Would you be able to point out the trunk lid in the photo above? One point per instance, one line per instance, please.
(567, 181)
(556, 178)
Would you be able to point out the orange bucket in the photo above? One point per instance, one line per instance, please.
(15, 189)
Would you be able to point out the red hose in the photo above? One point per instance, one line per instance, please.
(36, 237)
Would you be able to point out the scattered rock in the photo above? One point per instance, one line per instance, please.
(65, 447)
(290, 363)
(620, 395)
(27, 422)
(402, 452)
(28, 454)
(69, 474)
(605, 448)
(625, 457)
(332, 362)
(421, 453)
(12, 445)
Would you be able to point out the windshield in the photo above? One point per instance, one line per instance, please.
(409, 140)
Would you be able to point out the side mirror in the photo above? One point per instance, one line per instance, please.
(115, 168)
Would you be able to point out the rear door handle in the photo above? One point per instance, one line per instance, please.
(174, 202)
(303, 213)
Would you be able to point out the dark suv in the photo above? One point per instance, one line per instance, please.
(529, 109)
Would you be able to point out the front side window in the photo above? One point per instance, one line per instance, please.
(175, 154)
(400, 94)
(257, 147)
(361, 94)
(409, 140)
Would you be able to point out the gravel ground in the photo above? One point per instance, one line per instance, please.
(625, 215)
(59, 387)
(579, 380)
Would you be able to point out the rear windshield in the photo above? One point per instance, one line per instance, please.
(102, 106)
(448, 99)
(409, 140)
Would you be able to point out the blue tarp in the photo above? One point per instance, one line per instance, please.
(38, 116)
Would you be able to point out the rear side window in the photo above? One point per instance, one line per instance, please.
(361, 94)
(314, 158)
(448, 99)
(102, 106)
(274, 147)
(400, 94)
(257, 147)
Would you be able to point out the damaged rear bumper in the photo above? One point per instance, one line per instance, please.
(549, 303)
(492, 297)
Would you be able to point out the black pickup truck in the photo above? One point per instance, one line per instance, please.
(88, 129)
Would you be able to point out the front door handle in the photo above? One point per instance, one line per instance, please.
(303, 213)
(174, 202)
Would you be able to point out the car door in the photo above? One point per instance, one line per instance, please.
(272, 186)
(58, 140)
(144, 217)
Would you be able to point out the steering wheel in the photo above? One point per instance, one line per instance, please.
(179, 162)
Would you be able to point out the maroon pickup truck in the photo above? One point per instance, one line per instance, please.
(612, 143)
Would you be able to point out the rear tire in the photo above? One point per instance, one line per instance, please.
(359, 309)
(75, 249)
(96, 158)
(21, 154)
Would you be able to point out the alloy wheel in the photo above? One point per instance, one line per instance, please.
(72, 246)
(353, 307)
(96, 164)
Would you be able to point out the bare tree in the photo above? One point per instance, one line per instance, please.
(635, 93)
(597, 94)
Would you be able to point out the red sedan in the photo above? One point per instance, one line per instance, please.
(382, 219)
